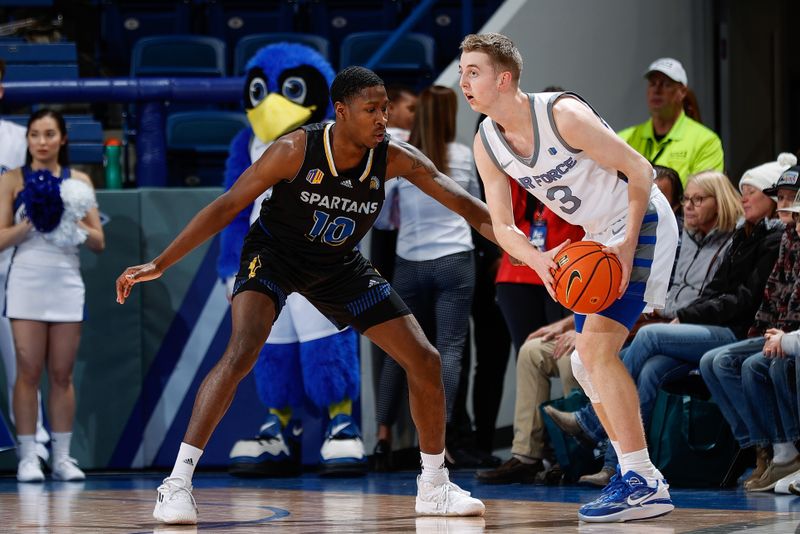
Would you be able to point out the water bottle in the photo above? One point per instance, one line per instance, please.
(112, 155)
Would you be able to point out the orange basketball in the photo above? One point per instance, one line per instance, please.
(587, 279)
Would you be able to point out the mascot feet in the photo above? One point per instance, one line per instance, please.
(342, 452)
(275, 452)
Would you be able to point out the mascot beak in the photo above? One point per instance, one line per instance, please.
(275, 116)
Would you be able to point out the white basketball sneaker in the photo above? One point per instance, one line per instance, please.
(442, 497)
(29, 469)
(175, 504)
(67, 469)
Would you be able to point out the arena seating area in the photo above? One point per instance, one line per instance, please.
(214, 39)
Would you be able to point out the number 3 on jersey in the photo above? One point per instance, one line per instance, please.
(570, 203)
(333, 233)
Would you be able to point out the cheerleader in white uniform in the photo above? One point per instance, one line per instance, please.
(46, 212)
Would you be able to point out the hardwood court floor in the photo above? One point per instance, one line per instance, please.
(376, 503)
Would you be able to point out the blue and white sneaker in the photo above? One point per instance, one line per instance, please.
(342, 452)
(628, 498)
(614, 483)
(274, 452)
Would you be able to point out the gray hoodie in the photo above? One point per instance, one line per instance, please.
(698, 260)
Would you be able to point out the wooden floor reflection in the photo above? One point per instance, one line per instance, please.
(73, 508)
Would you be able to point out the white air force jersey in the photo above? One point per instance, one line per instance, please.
(583, 193)
(565, 179)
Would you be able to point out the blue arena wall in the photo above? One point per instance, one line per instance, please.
(140, 364)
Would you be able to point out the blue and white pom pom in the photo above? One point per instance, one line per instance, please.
(78, 198)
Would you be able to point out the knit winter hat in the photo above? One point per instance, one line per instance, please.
(763, 176)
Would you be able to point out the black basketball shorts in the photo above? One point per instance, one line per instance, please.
(350, 293)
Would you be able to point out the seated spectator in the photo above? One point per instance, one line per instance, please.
(707, 314)
(545, 354)
(741, 375)
(786, 346)
(669, 137)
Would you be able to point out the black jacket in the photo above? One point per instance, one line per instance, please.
(734, 294)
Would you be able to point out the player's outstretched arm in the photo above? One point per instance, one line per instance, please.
(582, 129)
(281, 161)
(509, 237)
(407, 161)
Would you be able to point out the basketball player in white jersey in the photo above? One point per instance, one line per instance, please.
(557, 147)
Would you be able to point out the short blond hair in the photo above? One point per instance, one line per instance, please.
(501, 50)
(729, 202)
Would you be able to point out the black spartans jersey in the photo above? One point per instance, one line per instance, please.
(321, 215)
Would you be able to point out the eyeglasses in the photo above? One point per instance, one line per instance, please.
(695, 200)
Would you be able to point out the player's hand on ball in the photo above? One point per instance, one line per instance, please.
(624, 252)
(544, 264)
(134, 275)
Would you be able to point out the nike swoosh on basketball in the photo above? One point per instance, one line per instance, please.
(572, 276)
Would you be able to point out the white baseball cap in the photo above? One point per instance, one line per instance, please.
(672, 68)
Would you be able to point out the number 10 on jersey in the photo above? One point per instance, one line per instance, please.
(332, 233)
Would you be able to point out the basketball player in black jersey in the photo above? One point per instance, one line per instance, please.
(327, 185)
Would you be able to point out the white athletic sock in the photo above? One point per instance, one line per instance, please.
(615, 444)
(27, 445)
(60, 444)
(432, 465)
(639, 462)
(187, 459)
(783, 453)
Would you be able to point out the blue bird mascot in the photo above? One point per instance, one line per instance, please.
(305, 357)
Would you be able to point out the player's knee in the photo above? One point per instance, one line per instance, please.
(241, 355)
(428, 364)
(591, 358)
(581, 375)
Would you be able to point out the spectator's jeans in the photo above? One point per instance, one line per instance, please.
(658, 354)
(742, 391)
(769, 386)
